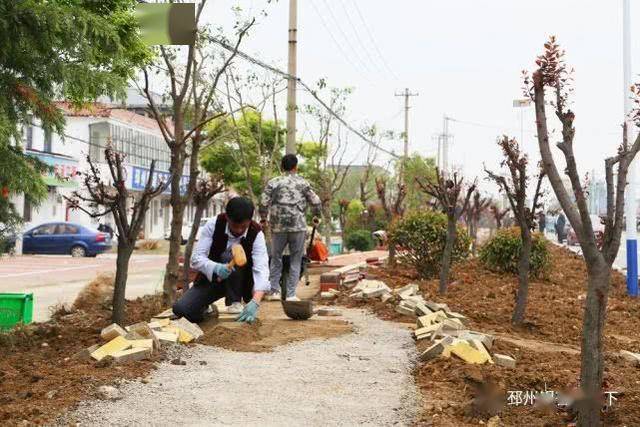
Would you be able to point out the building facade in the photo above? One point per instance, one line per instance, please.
(87, 134)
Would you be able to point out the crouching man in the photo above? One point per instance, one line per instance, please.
(211, 257)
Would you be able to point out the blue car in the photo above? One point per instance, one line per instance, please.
(65, 238)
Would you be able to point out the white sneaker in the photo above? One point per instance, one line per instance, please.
(273, 297)
(293, 299)
(235, 308)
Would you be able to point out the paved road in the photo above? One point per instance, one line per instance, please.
(58, 279)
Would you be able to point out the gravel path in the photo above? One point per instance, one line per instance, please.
(359, 378)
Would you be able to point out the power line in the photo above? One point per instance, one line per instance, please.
(357, 33)
(335, 41)
(313, 93)
(373, 41)
(348, 41)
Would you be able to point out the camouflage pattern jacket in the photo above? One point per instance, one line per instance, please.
(285, 200)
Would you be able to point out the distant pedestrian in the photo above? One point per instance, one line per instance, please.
(106, 228)
(561, 223)
(542, 222)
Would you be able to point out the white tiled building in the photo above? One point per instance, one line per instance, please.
(87, 132)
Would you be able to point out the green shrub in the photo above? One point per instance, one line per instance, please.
(501, 252)
(359, 240)
(420, 238)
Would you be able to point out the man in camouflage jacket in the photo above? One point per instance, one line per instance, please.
(284, 201)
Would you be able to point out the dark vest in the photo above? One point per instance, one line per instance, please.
(219, 245)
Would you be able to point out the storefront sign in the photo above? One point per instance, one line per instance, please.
(64, 170)
(139, 177)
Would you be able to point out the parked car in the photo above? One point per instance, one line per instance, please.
(65, 238)
(598, 230)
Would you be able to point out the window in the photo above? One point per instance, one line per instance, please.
(66, 229)
(26, 212)
(29, 135)
(47, 141)
(45, 230)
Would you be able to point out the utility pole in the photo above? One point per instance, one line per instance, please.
(443, 146)
(291, 84)
(631, 205)
(406, 95)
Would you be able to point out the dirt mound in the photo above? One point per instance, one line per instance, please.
(39, 375)
(97, 294)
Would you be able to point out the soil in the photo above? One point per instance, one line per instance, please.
(547, 348)
(39, 375)
(272, 329)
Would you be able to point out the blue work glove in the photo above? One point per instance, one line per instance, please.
(250, 312)
(221, 270)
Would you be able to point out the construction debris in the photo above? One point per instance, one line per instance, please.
(132, 354)
(327, 295)
(434, 321)
(107, 392)
(504, 360)
(328, 311)
(631, 357)
(465, 351)
(112, 331)
(140, 340)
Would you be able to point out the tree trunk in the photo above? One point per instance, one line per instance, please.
(120, 286)
(188, 249)
(592, 364)
(172, 271)
(446, 255)
(474, 236)
(326, 219)
(523, 276)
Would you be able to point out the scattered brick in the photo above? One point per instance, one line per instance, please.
(132, 354)
(119, 343)
(469, 354)
(112, 331)
(504, 360)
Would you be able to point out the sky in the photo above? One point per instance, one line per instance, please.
(463, 57)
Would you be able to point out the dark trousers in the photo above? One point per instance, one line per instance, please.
(194, 302)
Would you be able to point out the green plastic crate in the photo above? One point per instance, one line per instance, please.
(14, 309)
(335, 249)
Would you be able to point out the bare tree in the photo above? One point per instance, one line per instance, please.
(192, 106)
(447, 192)
(498, 214)
(205, 190)
(477, 206)
(393, 206)
(515, 187)
(372, 154)
(112, 197)
(552, 74)
(325, 162)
